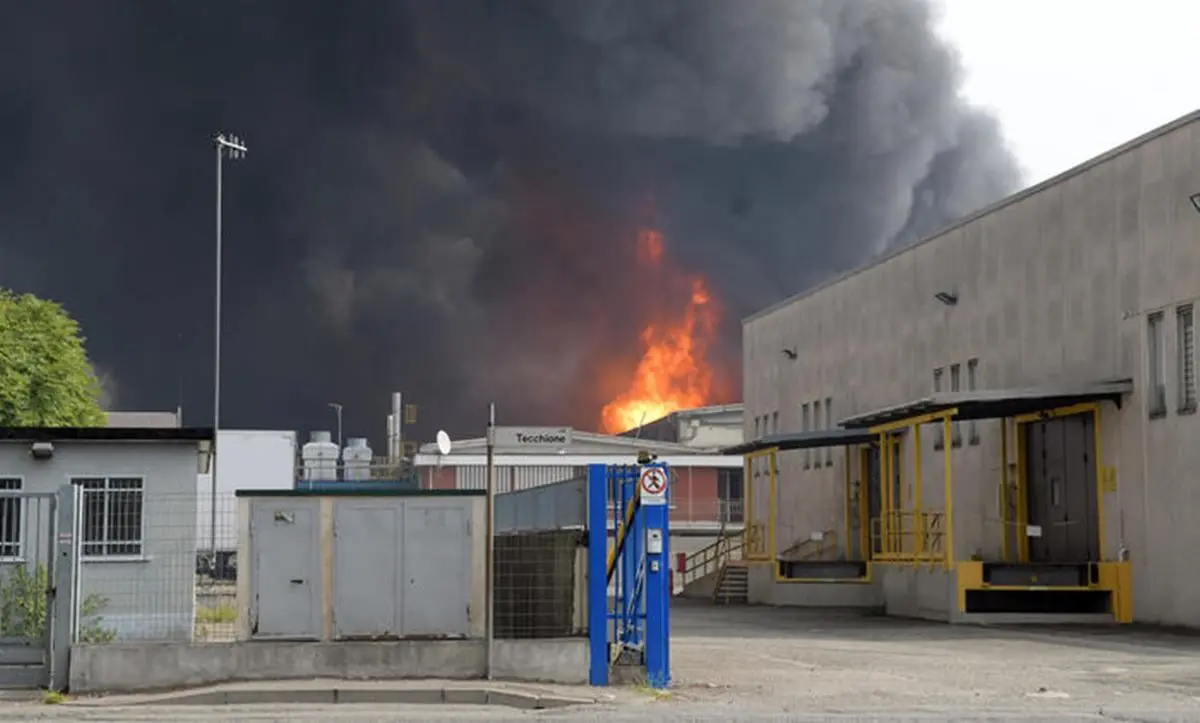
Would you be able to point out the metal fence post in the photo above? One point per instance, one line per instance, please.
(62, 630)
(597, 573)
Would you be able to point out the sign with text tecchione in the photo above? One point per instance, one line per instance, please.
(652, 486)
(533, 437)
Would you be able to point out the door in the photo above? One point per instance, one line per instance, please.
(435, 550)
(367, 596)
(874, 497)
(27, 604)
(1061, 490)
(287, 572)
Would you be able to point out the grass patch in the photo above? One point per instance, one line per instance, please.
(54, 697)
(223, 613)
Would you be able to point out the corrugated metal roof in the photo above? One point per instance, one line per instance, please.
(803, 440)
(994, 403)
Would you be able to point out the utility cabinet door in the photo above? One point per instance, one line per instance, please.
(436, 566)
(287, 569)
(366, 574)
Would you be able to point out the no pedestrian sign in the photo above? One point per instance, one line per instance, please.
(653, 486)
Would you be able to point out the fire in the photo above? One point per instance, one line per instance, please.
(673, 373)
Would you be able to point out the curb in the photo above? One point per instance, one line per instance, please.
(329, 696)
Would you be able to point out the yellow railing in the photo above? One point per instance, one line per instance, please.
(755, 541)
(810, 549)
(711, 558)
(908, 536)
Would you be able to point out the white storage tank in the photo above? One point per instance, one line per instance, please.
(356, 460)
(320, 457)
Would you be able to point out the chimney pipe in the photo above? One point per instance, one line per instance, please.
(397, 444)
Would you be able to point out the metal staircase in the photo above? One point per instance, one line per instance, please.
(733, 584)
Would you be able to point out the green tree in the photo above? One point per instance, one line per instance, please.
(46, 379)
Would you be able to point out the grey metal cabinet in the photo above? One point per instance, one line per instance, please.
(286, 547)
(401, 568)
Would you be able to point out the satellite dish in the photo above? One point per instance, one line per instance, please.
(443, 442)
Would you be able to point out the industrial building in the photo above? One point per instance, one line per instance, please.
(1025, 383)
(706, 495)
(136, 489)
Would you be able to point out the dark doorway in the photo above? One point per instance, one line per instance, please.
(874, 494)
(1061, 486)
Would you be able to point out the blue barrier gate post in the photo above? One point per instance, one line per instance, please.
(653, 484)
(597, 518)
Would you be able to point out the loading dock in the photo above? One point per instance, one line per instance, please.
(817, 558)
(1052, 512)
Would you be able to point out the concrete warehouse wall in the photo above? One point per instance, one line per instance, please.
(1054, 286)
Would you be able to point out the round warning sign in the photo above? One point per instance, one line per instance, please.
(653, 486)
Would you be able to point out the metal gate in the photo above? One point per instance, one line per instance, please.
(28, 568)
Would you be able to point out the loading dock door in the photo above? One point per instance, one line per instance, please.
(1061, 482)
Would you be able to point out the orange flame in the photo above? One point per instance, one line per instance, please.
(673, 373)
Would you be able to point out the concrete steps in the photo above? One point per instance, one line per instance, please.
(733, 587)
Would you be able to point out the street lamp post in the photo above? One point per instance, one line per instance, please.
(234, 148)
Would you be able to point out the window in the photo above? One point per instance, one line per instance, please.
(1187, 359)
(758, 428)
(804, 427)
(972, 380)
(938, 434)
(730, 494)
(1155, 374)
(112, 516)
(774, 422)
(828, 425)
(10, 518)
(955, 387)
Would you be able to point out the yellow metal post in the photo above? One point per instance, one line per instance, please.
(1022, 493)
(848, 499)
(748, 513)
(772, 549)
(1099, 462)
(918, 503)
(864, 503)
(948, 536)
(1004, 521)
(885, 492)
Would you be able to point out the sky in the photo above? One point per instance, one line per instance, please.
(1070, 79)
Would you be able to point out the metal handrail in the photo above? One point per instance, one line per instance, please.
(908, 536)
(809, 548)
(712, 557)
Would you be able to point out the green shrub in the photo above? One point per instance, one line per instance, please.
(24, 602)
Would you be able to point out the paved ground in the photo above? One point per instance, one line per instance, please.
(739, 663)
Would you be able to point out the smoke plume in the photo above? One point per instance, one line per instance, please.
(444, 197)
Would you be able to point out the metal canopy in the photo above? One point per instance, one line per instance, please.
(803, 440)
(994, 403)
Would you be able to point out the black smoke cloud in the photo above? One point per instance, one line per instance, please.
(442, 197)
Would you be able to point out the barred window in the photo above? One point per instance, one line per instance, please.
(938, 432)
(1187, 359)
(1155, 373)
(10, 518)
(112, 516)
